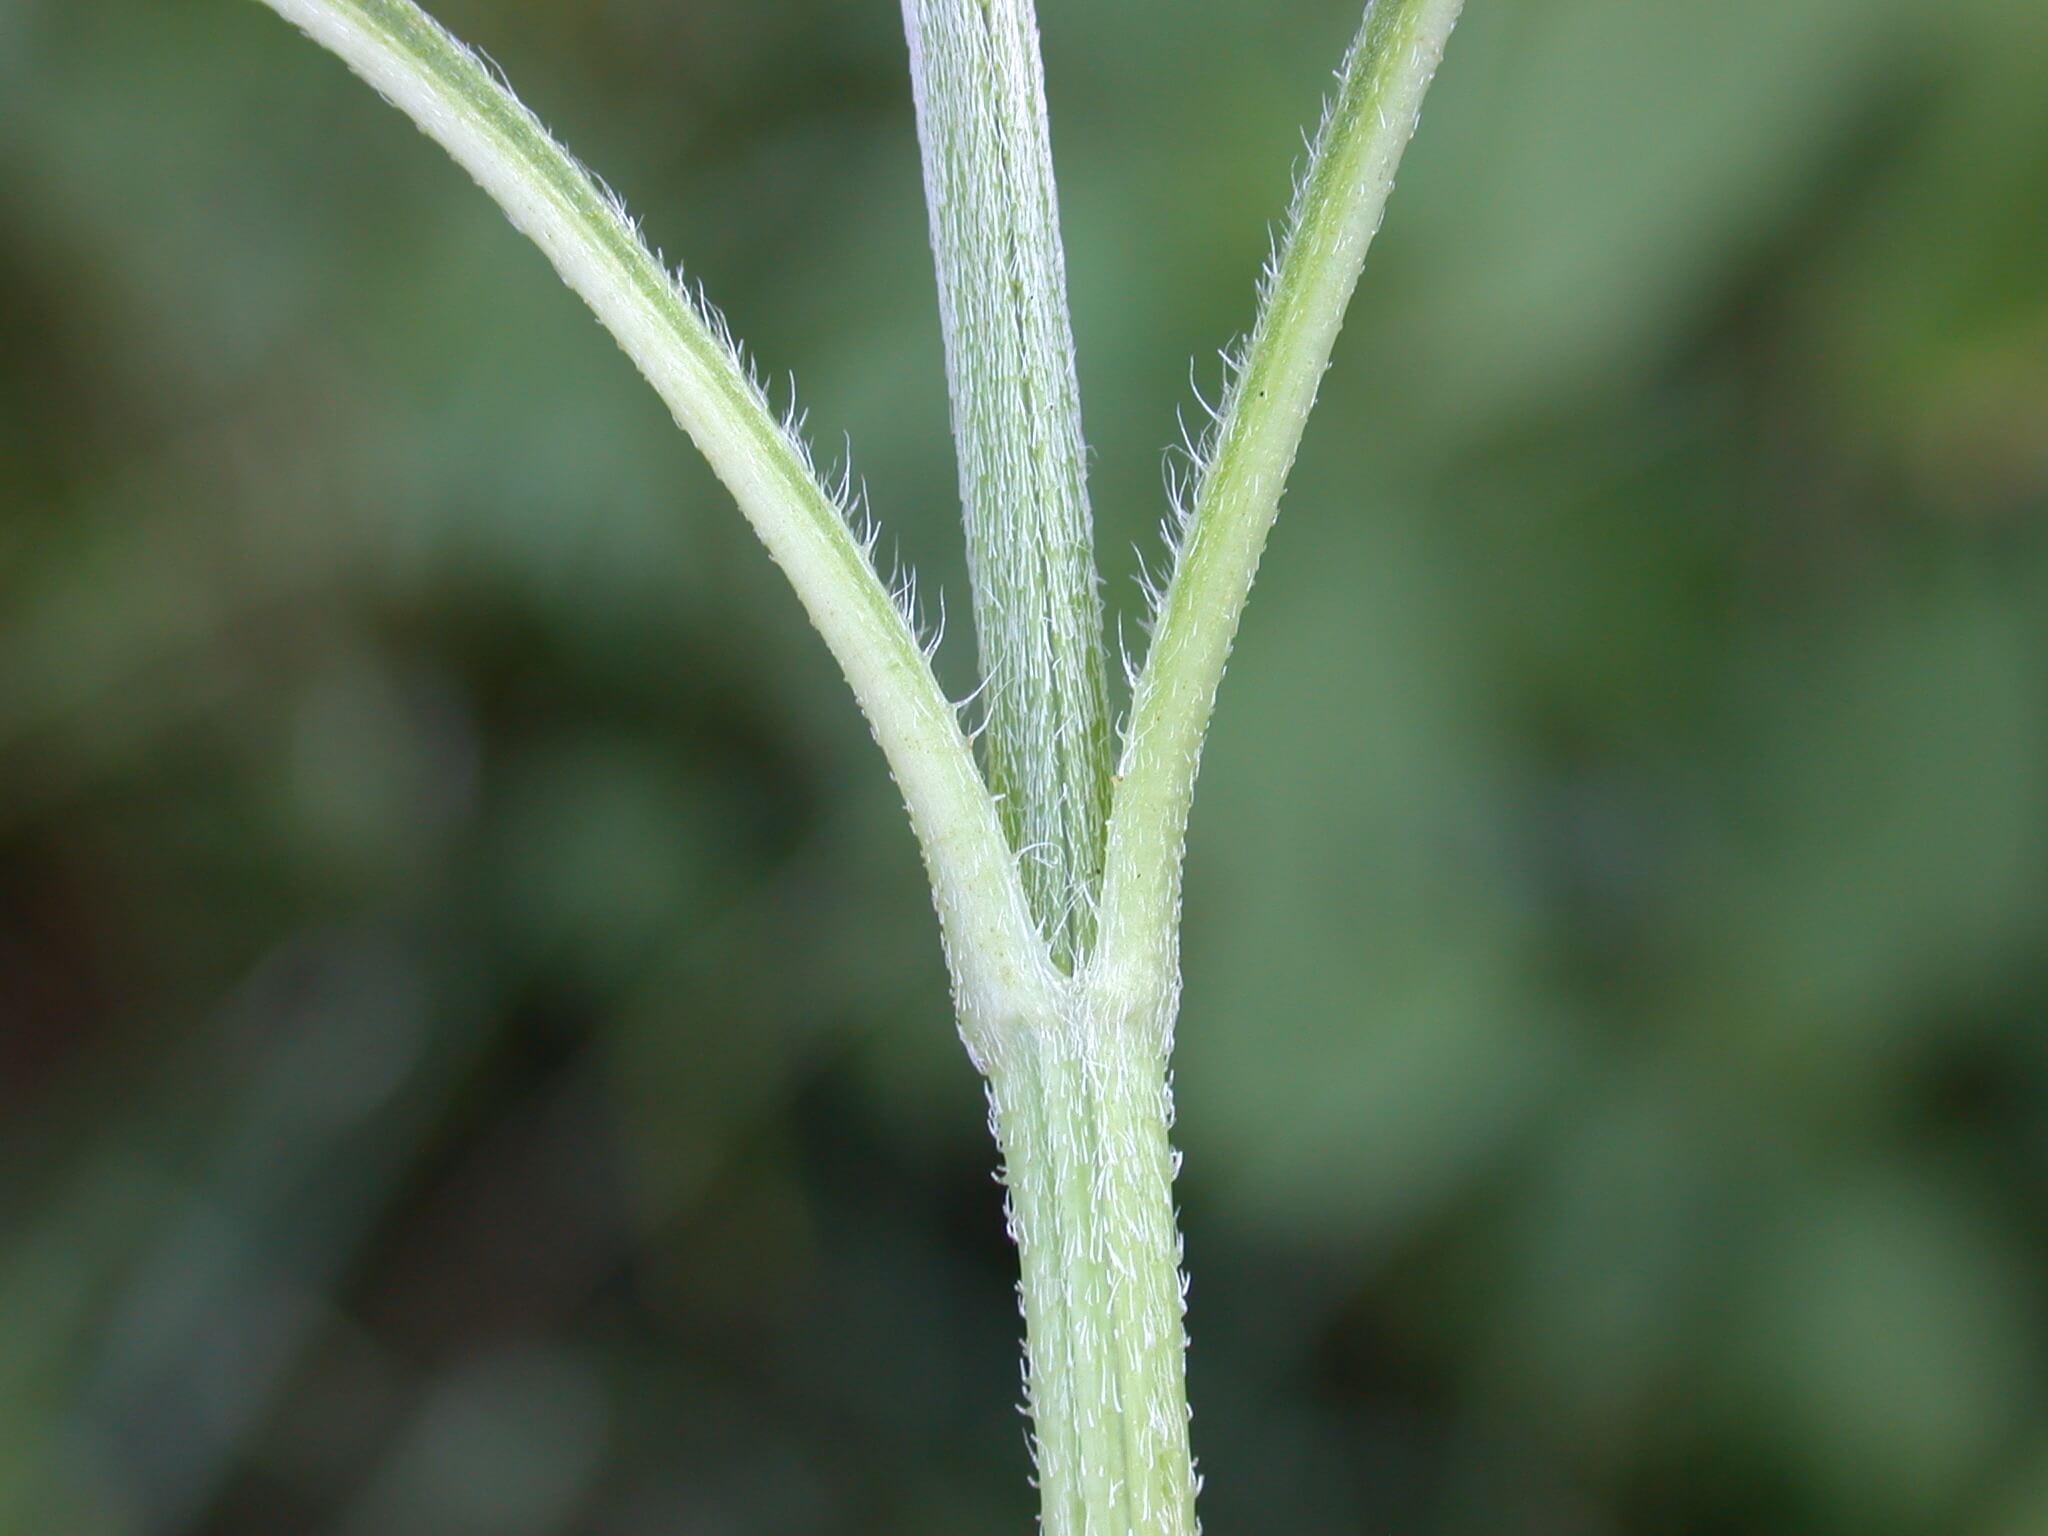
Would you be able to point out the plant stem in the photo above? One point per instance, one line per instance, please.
(1082, 1112)
(1069, 1014)
(997, 958)
(1337, 211)
(1017, 425)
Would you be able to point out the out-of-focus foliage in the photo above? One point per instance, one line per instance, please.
(473, 1049)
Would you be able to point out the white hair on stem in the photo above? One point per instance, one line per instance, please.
(821, 536)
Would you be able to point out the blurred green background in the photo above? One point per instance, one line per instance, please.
(474, 1054)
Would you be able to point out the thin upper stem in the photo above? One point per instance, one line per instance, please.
(1017, 424)
(1000, 964)
(1337, 211)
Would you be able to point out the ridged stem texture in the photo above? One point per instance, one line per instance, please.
(1081, 1111)
(1058, 894)
(980, 90)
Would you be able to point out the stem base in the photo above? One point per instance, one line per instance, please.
(1082, 1115)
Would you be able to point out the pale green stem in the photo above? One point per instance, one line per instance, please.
(1337, 211)
(1017, 425)
(1082, 1113)
(1076, 1064)
(1000, 966)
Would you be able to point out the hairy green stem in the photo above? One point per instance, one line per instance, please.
(998, 961)
(1017, 425)
(1082, 1112)
(1337, 211)
(1059, 904)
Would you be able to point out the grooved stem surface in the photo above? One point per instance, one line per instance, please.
(1016, 408)
(1082, 1115)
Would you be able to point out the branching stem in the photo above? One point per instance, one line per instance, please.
(1059, 903)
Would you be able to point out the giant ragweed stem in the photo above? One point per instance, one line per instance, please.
(1058, 899)
(1017, 427)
